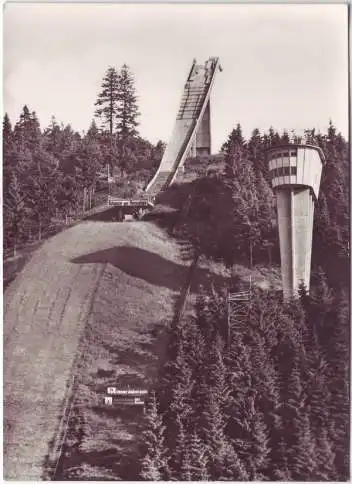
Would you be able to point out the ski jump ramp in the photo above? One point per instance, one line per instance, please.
(191, 132)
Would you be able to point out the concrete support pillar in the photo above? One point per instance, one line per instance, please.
(295, 209)
(203, 135)
(193, 150)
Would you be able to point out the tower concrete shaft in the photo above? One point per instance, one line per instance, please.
(295, 211)
(295, 172)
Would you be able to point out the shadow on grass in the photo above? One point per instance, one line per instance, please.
(150, 267)
(120, 459)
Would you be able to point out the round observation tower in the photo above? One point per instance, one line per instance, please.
(295, 171)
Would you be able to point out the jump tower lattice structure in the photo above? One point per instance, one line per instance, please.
(295, 173)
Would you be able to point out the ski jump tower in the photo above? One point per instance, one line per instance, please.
(295, 172)
(191, 132)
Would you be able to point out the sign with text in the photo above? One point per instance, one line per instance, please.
(125, 396)
(128, 391)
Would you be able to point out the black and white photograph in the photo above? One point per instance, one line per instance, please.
(176, 242)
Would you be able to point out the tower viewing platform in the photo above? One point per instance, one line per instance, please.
(295, 173)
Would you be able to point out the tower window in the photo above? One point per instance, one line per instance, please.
(284, 171)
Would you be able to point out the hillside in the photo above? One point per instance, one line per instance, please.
(264, 396)
(99, 285)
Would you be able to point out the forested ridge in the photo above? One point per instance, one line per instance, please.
(271, 402)
(55, 173)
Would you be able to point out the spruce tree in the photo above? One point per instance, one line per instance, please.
(217, 374)
(177, 401)
(41, 188)
(107, 101)
(325, 456)
(15, 210)
(303, 452)
(243, 204)
(213, 435)
(27, 131)
(155, 462)
(338, 359)
(198, 459)
(7, 133)
(126, 114)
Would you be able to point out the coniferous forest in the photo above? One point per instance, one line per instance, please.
(270, 402)
(270, 399)
(55, 174)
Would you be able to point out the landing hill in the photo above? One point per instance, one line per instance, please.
(99, 289)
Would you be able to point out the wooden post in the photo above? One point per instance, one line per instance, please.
(228, 321)
(250, 252)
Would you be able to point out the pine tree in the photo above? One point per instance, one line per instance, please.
(198, 459)
(155, 462)
(234, 141)
(212, 432)
(325, 456)
(7, 133)
(27, 131)
(185, 471)
(126, 113)
(259, 455)
(93, 131)
(217, 375)
(243, 204)
(338, 384)
(53, 138)
(273, 137)
(180, 460)
(41, 188)
(303, 452)
(107, 101)
(15, 210)
(177, 387)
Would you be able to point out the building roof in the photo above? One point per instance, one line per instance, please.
(299, 145)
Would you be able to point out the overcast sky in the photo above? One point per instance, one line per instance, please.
(283, 65)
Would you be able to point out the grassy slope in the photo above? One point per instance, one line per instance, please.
(121, 279)
(103, 442)
(109, 288)
(124, 344)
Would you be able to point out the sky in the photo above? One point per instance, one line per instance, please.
(283, 65)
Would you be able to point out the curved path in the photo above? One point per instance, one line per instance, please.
(45, 311)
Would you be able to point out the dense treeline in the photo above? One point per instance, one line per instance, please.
(56, 173)
(232, 217)
(270, 402)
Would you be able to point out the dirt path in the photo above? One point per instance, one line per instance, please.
(45, 311)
